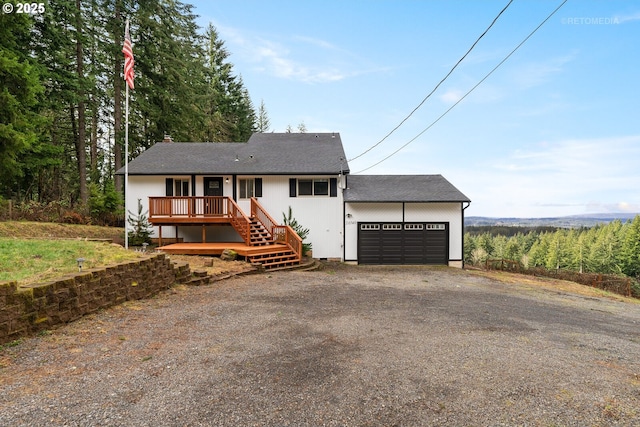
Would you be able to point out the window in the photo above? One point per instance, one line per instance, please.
(436, 227)
(305, 187)
(181, 187)
(369, 226)
(392, 226)
(176, 187)
(414, 227)
(247, 187)
(313, 187)
(320, 187)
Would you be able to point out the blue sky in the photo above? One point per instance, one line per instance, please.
(554, 131)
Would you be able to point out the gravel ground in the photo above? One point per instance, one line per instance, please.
(344, 346)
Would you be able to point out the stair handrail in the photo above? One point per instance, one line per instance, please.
(286, 234)
(289, 236)
(239, 220)
(258, 212)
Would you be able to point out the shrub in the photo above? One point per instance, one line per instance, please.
(140, 231)
(299, 229)
(105, 206)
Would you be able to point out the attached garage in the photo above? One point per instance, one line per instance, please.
(403, 219)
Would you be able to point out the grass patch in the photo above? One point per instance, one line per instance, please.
(44, 230)
(39, 260)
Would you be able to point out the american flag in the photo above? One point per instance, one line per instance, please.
(128, 57)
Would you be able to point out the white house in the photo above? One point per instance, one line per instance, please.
(204, 193)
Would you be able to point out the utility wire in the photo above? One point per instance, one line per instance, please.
(437, 86)
(470, 90)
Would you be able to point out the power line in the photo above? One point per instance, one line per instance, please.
(470, 90)
(437, 86)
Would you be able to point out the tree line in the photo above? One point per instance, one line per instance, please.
(612, 248)
(62, 94)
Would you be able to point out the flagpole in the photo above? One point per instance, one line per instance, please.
(126, 166)
(128, 77)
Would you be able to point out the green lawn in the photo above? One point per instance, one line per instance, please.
(34, 260)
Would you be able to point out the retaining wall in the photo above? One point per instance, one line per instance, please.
(25, 310)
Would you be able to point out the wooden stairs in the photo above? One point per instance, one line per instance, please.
(270, 258)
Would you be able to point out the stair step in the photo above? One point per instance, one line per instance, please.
(271, 265)
(274, 254)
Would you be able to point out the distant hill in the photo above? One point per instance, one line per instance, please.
(572, 221)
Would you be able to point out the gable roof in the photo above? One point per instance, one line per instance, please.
(264, 153)
(401, 188)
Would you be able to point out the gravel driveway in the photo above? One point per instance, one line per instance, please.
(343, 346)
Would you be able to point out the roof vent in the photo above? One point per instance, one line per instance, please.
(167, 138)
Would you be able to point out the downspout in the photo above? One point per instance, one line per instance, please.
(463, 209)
(344, 217)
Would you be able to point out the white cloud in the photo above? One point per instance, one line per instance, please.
(299, 58)
(451, 96)
(627, 18)
(536, 73)
(558, 178)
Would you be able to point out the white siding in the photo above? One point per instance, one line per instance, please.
(143, 187)
(322, 215)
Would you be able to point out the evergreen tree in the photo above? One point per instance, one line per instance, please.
(263, 123)
(229, 113)
(538, 251)
(169, 73)
(630, 251)
(469, 244)
(20, 89)
(61, 93)
(605, 252)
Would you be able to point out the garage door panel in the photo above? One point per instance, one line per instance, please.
(402, 243)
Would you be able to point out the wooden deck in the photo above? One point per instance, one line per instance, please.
(217, 248)
(263, 240)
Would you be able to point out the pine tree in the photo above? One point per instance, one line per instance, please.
(19, 91)
(230, 115)
(263, 123)
(630, 251)
(61, 97)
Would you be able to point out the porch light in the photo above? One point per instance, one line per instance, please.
(80, 261)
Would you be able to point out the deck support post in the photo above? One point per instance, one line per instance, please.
(204, 234)
(160, 235)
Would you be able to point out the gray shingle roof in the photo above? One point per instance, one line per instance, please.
(265, 154)
(401, 188)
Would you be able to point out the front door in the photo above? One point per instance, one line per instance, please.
(213, 187)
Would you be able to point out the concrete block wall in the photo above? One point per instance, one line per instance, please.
(25, 310)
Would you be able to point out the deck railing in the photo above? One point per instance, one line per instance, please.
(199, 209)
(187, 207)
(279, 233)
